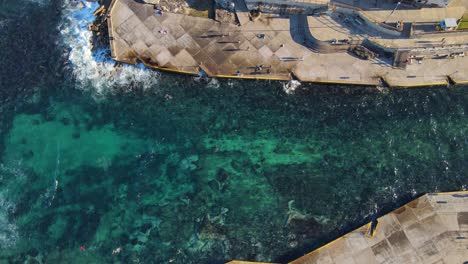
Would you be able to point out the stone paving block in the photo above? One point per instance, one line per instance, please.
(174, 49)
(144, 13)
(389, 225)
(462, 218)
(184, 59)
(124, 27)
(319, 257)
(175, 30)
(120, 48)
(356, 242)
(444, 242)
(206, 62)
(151, 22)
(343, 253)
(416, 234)
(257, 42)
(456, 256)
(163, 57)
(428, 252)
(155, 49)
(405, 216)
(399, 242)
(123, 13)
(237, 59)
(132, 22)
(139, 47)
(450, 220)
(203, 40)
(407, 258)
(249, 35)
(139, 33)
(284, 53)
(265, 51)
(275, 44)
(130, 38)
(222, 56)
(230, 68)
(421, 207)
(149, 39)
(334, 72)
(365, 256)
(162, 18)
(434, 225)
(383, 253)
(187, 42)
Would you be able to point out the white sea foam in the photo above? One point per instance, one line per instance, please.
(291, 86)
(96, 70)
(213, 84)
(8, 229)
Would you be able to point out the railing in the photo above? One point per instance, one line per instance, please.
(109, 28)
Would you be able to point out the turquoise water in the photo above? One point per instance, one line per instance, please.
(192, 171)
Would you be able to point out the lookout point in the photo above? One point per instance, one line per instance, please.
(369, 42)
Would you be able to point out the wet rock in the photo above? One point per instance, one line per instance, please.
(224, 16)
(99, 28)
(173, 6)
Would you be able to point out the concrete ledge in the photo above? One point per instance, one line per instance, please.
(183, 44)
(434, 221)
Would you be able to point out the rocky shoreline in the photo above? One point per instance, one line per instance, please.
(99, 28)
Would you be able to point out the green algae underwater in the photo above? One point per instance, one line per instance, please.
(189, 173)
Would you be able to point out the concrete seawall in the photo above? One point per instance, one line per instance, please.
(430, 229)
(266, 49)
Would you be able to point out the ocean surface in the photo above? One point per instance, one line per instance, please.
(105, 164)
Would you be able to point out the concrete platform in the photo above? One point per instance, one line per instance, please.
(430, 229)
(185, 44)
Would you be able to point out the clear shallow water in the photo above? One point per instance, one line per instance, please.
(164, 168)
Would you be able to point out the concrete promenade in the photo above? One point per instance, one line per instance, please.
(431, 229)
(186, 44)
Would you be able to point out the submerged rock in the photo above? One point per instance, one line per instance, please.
(301, 223)
(188, 163)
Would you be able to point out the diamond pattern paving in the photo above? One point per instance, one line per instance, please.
(186, 43)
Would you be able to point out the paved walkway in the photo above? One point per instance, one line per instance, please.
(431, 229)
(186, 44)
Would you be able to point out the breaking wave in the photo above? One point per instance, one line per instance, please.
(291, 86)
(96, 70)
(8, 229)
